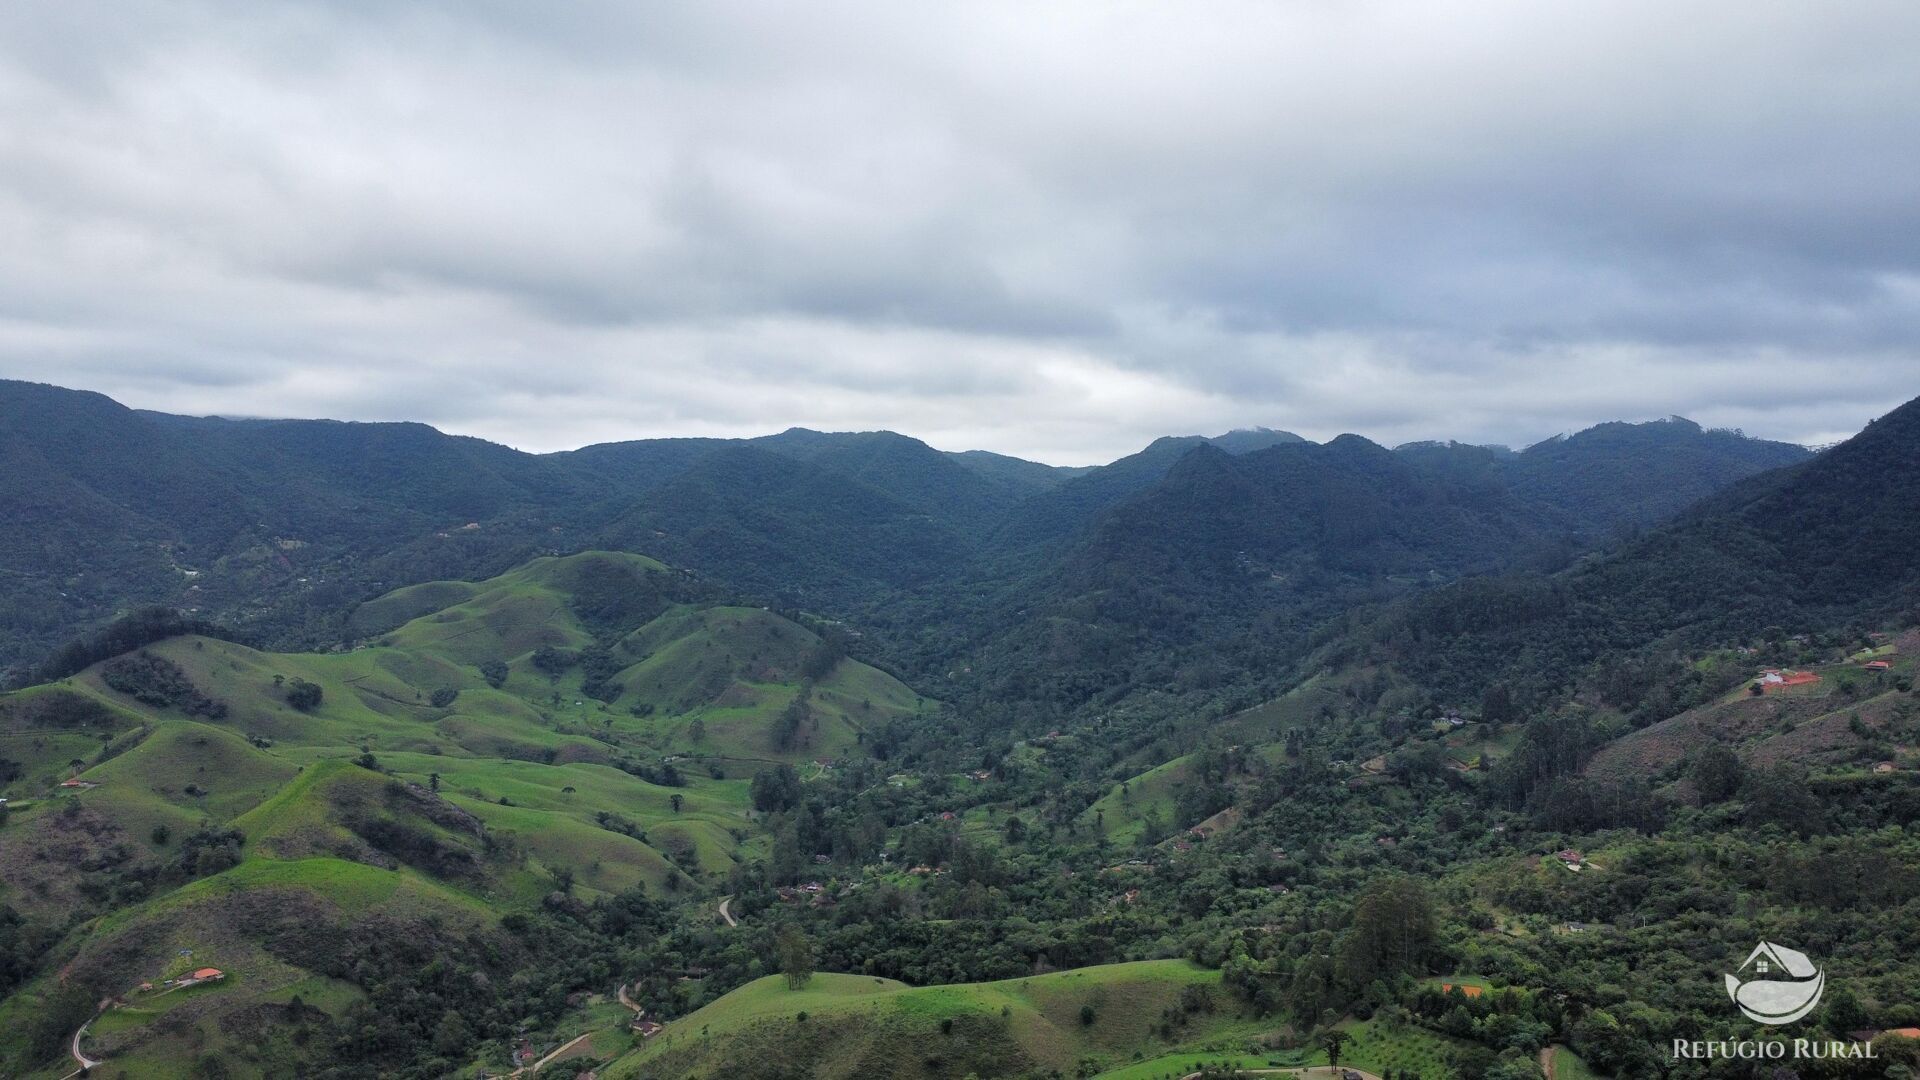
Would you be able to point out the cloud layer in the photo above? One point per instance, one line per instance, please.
(1053, 230)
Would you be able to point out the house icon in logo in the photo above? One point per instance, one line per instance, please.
(1782, 987)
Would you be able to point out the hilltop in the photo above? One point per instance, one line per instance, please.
(581, 727)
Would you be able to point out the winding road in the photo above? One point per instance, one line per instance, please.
(724, 913)
(74, 1049)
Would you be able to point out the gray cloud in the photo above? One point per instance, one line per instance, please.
(1054, 231)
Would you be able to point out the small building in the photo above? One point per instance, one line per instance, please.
(647, 1029)
(1776, 679)
(1885, 767)
(208, 975)
(1878, 665)
(1569, 856)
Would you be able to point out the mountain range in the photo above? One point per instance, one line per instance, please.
(276, 526)
(374, 750)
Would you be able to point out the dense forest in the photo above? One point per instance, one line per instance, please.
(816, 753)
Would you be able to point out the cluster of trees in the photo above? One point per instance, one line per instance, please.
(154, 680)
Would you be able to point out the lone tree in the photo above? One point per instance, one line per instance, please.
(676, 799)
(304, 695)
(796, 956)
(1332, 1041)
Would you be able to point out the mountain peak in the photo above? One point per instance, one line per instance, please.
(1247, 440)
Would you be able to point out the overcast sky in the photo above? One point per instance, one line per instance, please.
(1055, 230)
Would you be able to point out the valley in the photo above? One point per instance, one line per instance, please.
(824, 755)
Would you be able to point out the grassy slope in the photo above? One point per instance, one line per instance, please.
(1818, 725)
(222, 921)
(862, 1026)
(1373, 1048)
(1151, 794)
(531, 761)
(735, 670)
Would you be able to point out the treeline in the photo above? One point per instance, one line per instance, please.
(134, 630)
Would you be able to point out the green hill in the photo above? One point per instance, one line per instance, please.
(571, 735)
(276, 931)
(858, 1026)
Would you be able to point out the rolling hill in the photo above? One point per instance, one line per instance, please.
(856, 1026)
(581, 726)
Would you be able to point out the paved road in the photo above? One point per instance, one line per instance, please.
(74, 1049)
(725, 914)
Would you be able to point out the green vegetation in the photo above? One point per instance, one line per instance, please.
(1243, 753)
(845, 1025)
(397, 778)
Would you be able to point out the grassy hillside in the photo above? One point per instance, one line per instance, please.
(580, 728)
(857, 1026)
(273, 928)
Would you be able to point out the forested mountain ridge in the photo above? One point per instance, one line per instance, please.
(1188, 569)
(270, 524)
(1824, 543)
(279, 527)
